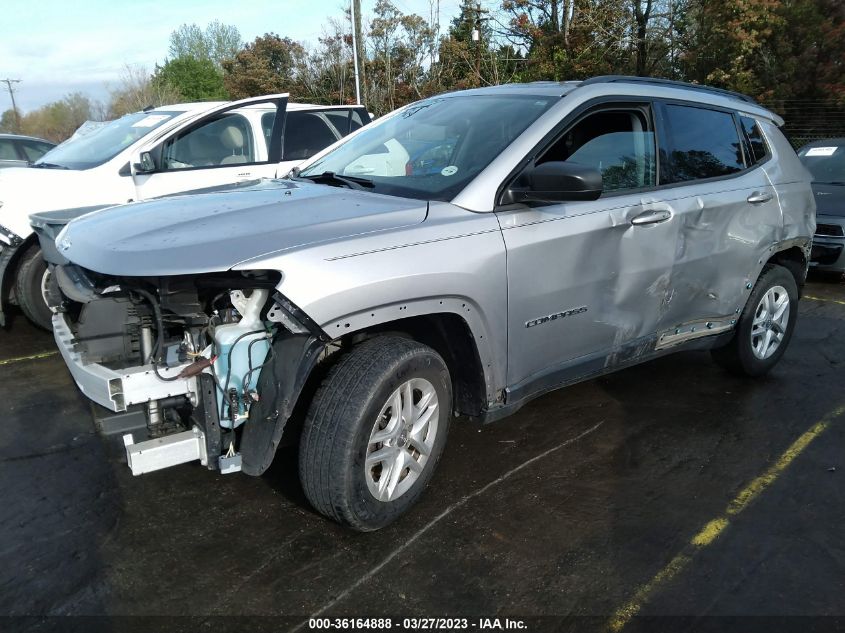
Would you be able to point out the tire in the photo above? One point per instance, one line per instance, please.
(749, 353)
(353, 409)
(28, 288)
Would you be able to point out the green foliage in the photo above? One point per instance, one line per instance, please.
(778, 51)
(58, 120)
(270, 64)
(8, 122)
(770, 49)
(217, 43)
(195, 79)
(136, 91)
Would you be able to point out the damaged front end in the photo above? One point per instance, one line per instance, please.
(212, 363)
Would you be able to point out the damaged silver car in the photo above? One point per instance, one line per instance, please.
(461, 256)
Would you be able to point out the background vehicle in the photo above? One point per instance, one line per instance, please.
(825, 160)
(18, 151)
(536, 236)
(149, 154)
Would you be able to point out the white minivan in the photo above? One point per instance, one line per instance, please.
(156, 152)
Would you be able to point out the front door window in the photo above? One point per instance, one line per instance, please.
(227, 140)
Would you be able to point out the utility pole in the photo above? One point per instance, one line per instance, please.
(11, 90)
(355, 54)
(476, 37)
(358, 45)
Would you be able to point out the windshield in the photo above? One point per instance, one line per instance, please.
(433, 148)
(104, 143)
(826, 164)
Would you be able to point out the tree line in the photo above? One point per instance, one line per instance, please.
(782, 52)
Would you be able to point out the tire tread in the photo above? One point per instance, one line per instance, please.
(344, 395)
(26, 280)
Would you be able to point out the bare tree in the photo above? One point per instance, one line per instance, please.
(136, 90)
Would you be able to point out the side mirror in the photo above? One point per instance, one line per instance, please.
(555, 181)
(145, 163)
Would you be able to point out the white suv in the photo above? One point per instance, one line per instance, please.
(161, 151)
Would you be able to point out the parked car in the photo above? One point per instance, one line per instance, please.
(150, 154)
(19, 151)
(825, 160)
(463, 255)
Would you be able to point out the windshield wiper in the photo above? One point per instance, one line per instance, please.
(48, 166)
(329, 177)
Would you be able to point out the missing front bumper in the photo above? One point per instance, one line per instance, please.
(118, 389)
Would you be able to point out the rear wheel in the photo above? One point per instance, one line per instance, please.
(765, 326)
(375, 431)
(30, 287)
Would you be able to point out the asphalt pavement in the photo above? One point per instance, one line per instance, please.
(670, 496)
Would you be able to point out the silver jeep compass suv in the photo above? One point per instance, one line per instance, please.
(461, 256)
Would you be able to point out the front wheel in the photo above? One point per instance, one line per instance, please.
(375, 431)
(31, 286)
(765, 325)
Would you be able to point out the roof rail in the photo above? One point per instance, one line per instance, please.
(669, 83)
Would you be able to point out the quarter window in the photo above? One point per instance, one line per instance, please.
(618, 143)
(703, 143)
(757, 149)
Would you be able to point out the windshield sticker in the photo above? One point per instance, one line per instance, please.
(449, 171)
(151, 120)
(820, 151)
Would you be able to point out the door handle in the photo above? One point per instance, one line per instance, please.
(651, 217)
(758, 198)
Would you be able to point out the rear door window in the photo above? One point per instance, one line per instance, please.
(703, 143)
(7, 150)
(306, 133)
(340, 120)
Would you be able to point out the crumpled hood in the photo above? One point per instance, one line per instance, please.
(830, 199)
(213, 232)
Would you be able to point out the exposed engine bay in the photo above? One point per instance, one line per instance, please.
(189, 350)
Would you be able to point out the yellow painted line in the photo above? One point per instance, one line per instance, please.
(19, 359)
(812, 298)
(711, 531)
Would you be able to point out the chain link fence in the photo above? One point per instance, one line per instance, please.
(809, 120)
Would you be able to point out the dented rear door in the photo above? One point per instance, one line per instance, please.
(727, 223)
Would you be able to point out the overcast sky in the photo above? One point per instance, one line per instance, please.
(58, 46)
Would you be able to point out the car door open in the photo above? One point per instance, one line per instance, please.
(239, 142)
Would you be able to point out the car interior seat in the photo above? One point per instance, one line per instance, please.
(201, 150)
(233, 140)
